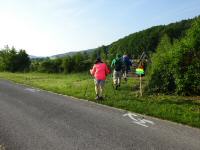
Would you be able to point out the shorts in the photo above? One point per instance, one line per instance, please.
(99, 82)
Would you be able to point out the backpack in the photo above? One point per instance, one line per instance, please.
(118, 64)
(127, 61)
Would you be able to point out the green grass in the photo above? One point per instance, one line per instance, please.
(2, 147)
(185, 110)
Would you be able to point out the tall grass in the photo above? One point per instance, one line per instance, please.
(184, 110)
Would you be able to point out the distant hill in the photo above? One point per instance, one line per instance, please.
(33, 57)
(89, 51)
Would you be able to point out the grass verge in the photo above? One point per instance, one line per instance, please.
(2, 147)
(185, 110)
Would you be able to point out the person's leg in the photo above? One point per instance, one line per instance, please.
(115, 77)
(96, 88)
(101, 87)
(119, 75)
(125, 75)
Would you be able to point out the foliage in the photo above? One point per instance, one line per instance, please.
(49, 66)
(159, 77)
(147, 40)
(13, 61)
(187, 58)
(79, 62)
(176, 68)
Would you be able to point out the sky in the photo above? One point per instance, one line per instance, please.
(49, 27)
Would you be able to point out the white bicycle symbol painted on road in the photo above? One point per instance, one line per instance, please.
(140, 121)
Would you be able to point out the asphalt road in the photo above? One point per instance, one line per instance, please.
(32, 119)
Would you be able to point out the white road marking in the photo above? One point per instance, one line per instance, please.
(135, 119)
(31, 90)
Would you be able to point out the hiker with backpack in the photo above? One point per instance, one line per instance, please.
(117, 66)
(99, 71)
(127, 63)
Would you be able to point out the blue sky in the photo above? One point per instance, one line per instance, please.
(48, 27)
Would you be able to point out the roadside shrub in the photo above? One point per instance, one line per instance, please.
(175, 67)
(187, 58)
(159, 78)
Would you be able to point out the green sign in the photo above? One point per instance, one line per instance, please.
(139, 71)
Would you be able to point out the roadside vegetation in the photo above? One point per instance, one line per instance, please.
(179, 109)
(2, 147)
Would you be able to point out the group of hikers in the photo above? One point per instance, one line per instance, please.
(121, 67)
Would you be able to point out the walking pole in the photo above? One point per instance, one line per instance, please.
(87, 85)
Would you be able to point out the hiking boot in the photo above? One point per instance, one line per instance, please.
(101, 98)
(125, 79)
(97, 97)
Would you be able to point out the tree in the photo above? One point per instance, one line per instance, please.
(11, 60)
(187, 57)
(159, 77)
(68, 64)
(22, 61)
(176, 68)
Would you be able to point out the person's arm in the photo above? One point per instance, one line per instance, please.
(107, 70)
(113, 63)
(130, 63)
(93, 70)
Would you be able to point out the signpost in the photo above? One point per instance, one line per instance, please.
(140, 72)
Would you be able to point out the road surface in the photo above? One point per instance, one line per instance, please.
(32, 119)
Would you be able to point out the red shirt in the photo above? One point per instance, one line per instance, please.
(100, 71)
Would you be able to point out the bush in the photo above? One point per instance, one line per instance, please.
(175, 67)
(13, 61)
(187, 58)
(159, 77)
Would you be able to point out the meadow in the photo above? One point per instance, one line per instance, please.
(180, 109)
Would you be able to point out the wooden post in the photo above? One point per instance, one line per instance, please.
(140, 85)
(140, 71)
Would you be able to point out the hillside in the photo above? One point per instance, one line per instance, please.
(147, 40)
(89, 51)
